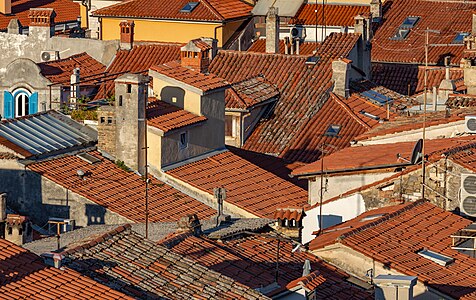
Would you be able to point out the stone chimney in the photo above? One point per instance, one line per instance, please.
(74, 88)
(18, 229)
(190, 223)
(127, 34)
(376, 10)
(394, 287)
(42, 22)
(272, 30)
(6, 7)
(473, 28)
(14, 26)
(198, 54)
(469, 74)
(341, 76)
(3, 207)
(53, 259)
(362, 26)
(107, 130)
(220, 195)
(447, 86)
(130, 102)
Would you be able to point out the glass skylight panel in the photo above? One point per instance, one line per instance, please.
(409, 22)
(371, 217)
(459, 39)
(377, 97)
(363, 112)
(189, 7)
(440, 259)
(404, 29)
(333, 130)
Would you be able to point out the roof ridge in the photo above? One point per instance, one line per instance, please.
(349, 111)
(212, 9)
(458, 149)
(103, 237)
(380, 220)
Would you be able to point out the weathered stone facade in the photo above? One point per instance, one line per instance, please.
(107, 130)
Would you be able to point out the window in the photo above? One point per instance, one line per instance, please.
(376, 97)
(459, 38)
(438, 258)
(228, 125)
(183, 143)
(120, 100)
(109, 120)
(102, 120)
(20, 231)
(189, 7)
(404, 29)
(409, 22)
(333, 130)
(10, 230)
(129, 88)
(371, 217)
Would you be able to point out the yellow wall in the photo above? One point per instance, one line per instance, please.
(184, 99)
(84, 16)
(163, 31)
(154, 153)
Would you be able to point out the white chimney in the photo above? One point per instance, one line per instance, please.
(272, 30)
(341, 76)
(306, 268)
(74, 90)
(394, 287)
(447, 86)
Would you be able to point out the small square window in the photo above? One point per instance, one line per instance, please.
(189, 7)
(109, 120)
(103, 120)
(333, 130)
(183, 143)
(174, 99)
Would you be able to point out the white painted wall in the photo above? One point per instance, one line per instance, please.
(299, 294)
(311, 32)
(340, 210)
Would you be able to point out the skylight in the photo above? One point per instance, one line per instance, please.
(459, 38)
(409, 22)
(333, 130)
(371, 217)
(404, 29)
(189, 7)
(377, 97)
(88, 158)
(440, 259)
(370, 115)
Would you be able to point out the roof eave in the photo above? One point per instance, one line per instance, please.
(313, 174)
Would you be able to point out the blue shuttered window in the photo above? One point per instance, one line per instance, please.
(33, 103)
(8, 105)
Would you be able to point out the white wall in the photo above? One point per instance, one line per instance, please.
(311, 32)
(299, 294)
(340, 211)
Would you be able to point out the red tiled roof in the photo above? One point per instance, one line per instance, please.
(251, 261)
(201, 81)
(23, 275)
(139, 59)
(398, 77)
(66, 11)
(461, 100)
(396, 239)
(138, 267)
(302, 88)
(206, 10)
(377, 156)
(289, 214)
(250, 92)
(167, 117)
(120, 191)
(248, 186)
(449, 18)
(60, 71)
(306, 48)
(465, 157)
(335, 15)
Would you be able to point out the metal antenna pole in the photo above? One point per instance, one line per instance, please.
(424, 117)
(321, 194)
(146, 173)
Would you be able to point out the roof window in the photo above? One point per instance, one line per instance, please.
(404, 29)
(459, 38)
(440, 259)
(89, 158)
(189, 7)
(333, 130)
(369, 115)
(312, 60)
(377, 97)
(371, 217)
(409, 22)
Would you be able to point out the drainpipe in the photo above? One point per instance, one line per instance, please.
(242, 129)
(216, 30)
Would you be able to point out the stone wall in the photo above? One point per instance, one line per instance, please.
(107, 129)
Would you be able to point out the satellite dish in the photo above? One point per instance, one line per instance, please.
(45, 56)
(416, 153)
(294, 32)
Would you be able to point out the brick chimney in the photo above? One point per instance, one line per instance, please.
(190, 223)
(376, 10)
(341, 76)
(6, 7)
(198, 54)
(127, 34)
(272, 30)
(42, 22)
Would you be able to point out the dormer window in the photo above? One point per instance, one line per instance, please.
(189, 7)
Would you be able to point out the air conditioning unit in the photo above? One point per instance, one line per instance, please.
(470, 124)
(65, 225)
(297, 32)
(49, 55)
(468, 194)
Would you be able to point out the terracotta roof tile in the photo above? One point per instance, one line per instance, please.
(335, 15)
(66, 11)
(139, 59)
(248, 186)
(251, 259)
(167, 117)
(306, 48)
(250, 92)
(206, 10)
(60, 71)
(289, 214)
(302, 92)
(377, 156)
(436, 15)
(461, 100)
(418, 225)
(120, 191)
(201, 81)
(139, 267)
(23, 275)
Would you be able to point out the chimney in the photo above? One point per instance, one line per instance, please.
(376, 10)
(190, 223)
(220, 195)
(394, 287)
(447, 86)
(306, 268)
(52, 259)
(272, 30)
(74, 88)
(127, 34)
(18, 229)
(341, 76)
(130, 107)
(42, 22)
(286, 45)
(198, 54)
(473, 27)
(6, 7)
(14, 26)
(107, 130)
(3, 207)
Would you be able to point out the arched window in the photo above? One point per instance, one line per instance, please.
(19, 103)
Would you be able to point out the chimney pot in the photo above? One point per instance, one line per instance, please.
(190, 223)
(127, 34)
